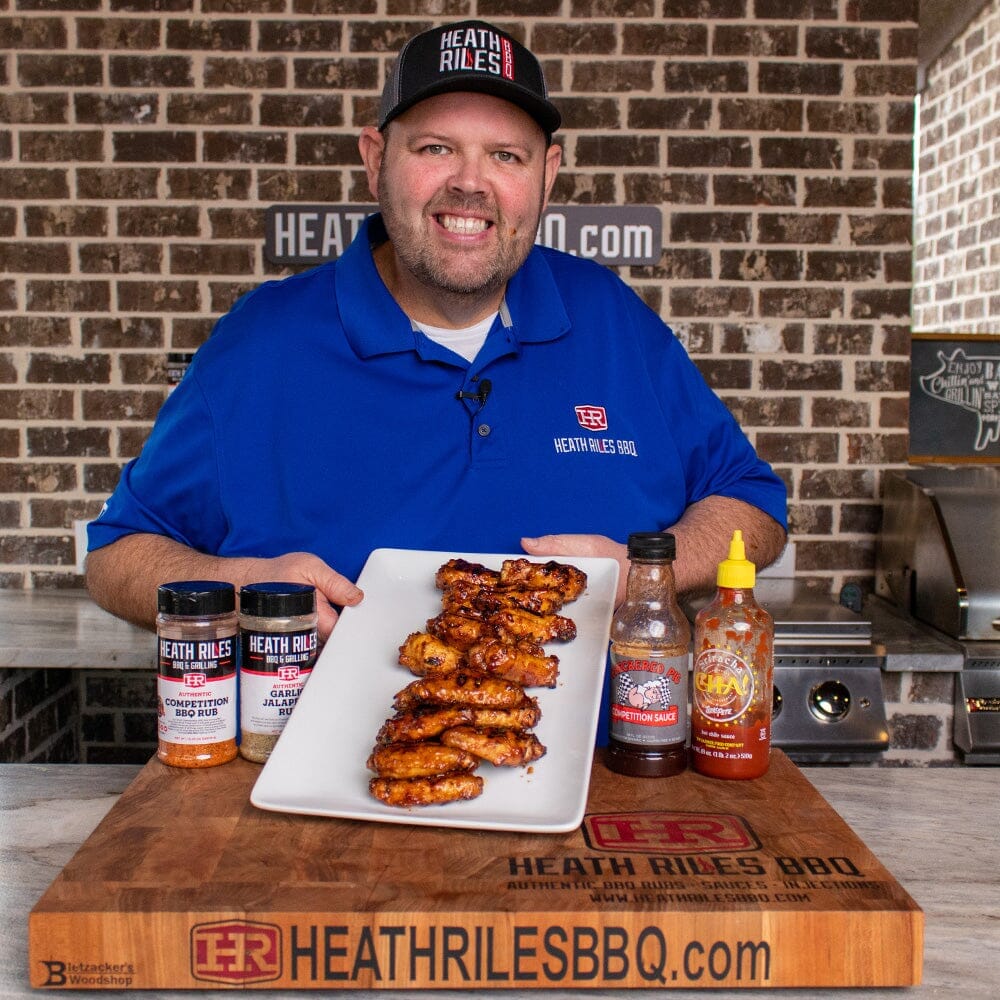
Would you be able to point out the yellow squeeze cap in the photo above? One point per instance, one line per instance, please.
(737, 571)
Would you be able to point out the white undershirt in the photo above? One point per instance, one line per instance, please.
(466, 343)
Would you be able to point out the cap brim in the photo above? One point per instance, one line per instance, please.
(543, 112)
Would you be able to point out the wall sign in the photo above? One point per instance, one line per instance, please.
(955, 398)
(610, 234)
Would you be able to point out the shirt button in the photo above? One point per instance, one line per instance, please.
(483, 430)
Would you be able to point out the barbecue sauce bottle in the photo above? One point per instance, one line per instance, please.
(650, 641)
(732, 682)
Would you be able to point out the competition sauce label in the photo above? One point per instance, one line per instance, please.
(196, 683)
(648, 695)
(274, 668)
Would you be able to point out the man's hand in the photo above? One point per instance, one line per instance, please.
(568, 546)
(702, 535)
(123, 577)
(304, 567)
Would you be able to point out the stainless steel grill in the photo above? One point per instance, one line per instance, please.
(829, 705)
(938, 561)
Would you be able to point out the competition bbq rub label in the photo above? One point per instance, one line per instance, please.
(196, 690)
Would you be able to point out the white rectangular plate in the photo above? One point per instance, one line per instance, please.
(318, 766)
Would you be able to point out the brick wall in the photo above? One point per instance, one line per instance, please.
(957, 228)
(39, 716)
(146, 137)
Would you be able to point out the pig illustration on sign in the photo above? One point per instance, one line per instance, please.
(973, 384)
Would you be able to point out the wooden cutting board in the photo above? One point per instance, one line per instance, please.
(678, 882)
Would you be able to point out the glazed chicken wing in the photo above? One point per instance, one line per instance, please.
(525, 716)
(455, 570)
(424, 722)
(525, 664)
(419, 760)
(537, 628)
(423, 653)
(476, 601)
(459, 631)
(569, 581)
(463, 687)
(502, 747)
(404, 792)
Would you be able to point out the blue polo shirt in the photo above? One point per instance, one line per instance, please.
(316, 418)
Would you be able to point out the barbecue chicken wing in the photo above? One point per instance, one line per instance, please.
(419, 760)
(569, 581)
(455, 570)
(459, 631)
(502, 747)
(525, 716)
(463, 687)
(522, 624)
(425, 722)
(423, 653)
(404, 792)
(524, 664)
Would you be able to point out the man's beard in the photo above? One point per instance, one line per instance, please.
(434, 272)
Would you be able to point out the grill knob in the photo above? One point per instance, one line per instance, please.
(777, 703)
(830, 701)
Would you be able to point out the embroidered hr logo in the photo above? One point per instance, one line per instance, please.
(592, 418)
(236, 951)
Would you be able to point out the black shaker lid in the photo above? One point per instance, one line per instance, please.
(277, 600)
(196, 597)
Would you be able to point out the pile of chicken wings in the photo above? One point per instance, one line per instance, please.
(473, 663)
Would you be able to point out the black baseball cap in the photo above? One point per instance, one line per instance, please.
(467, 56)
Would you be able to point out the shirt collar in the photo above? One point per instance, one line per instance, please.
(374, 324)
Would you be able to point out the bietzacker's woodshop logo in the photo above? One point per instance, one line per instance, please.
(237, 952)
(668, 833)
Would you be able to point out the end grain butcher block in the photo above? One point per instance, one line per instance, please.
(678, 882)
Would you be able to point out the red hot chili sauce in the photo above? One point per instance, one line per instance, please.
(733, 676)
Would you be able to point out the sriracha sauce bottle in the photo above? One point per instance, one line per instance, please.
(733, 676)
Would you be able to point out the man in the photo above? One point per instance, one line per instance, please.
(445, 385)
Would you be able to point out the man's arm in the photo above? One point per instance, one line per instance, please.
(123, 577)
(702, 534)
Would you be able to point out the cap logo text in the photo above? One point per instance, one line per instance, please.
(477, 50)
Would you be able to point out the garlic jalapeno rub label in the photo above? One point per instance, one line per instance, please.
(196, 690)
(274, 669)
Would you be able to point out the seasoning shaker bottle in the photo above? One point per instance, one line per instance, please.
(733, 677)
(650, 641)
(278, 645)
(197, 639)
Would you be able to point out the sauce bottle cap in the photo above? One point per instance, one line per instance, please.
(736, 572)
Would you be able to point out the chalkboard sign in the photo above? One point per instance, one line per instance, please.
(955, 398)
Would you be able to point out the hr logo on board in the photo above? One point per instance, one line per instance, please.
(669, 833)
(236, 951)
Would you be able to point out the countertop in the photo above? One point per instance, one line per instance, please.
(66, 629)
(934, 829)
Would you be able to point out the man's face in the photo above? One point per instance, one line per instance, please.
(462, 180)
